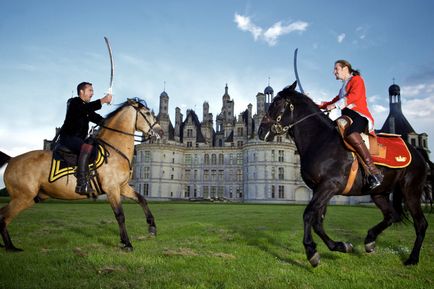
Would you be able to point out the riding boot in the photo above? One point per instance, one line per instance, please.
(83, 180)
(375, 176)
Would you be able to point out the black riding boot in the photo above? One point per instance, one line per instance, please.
(83, 180)
(375, 176)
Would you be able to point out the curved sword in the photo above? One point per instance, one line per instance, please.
(112, 65)
(296, 72)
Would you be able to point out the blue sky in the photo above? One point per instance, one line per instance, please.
(196, 47)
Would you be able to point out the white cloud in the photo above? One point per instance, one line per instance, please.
(270, 35)
(341, 37)
(417, 89)
(419, 108)
(244, 23)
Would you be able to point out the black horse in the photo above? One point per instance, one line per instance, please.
(325, 165)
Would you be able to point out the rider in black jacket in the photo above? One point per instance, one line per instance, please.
(80, 110)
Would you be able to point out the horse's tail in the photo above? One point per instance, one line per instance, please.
(429, 183)
(4, 158)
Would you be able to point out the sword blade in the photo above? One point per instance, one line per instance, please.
(112, 65)
(296, 72)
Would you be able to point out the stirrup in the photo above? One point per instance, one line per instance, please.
(373, 181)
(84, 189)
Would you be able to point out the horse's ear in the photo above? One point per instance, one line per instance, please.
(293, 86)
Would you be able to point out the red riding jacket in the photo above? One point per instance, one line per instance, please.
(355, 99)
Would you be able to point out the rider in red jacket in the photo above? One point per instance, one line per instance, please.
(353, 103)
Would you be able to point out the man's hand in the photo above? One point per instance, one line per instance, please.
(106, 99)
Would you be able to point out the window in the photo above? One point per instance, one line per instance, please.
(279, 139)
(146, 173)
(189, 132)
(188, 159)
(239, 158)
(189, 144)
(281, 192)
(273, 173)
(240, 131)
(281, 156)
(206, 192)
(146, 190)
(221, 159)
(221, 175)
(187, 175)
(147, 156)
(273, 155)
(240, 143)
(187, 192)
(239, 175)
(206, 175)
(220, 192)
(206, 159)
(281, 174)
(273, 191)
(213, 175)
(213, 159)
(195, 175)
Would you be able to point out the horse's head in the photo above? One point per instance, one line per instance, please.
(146, 121)
(282, 115)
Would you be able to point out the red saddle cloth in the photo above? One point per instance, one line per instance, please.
(392, 153)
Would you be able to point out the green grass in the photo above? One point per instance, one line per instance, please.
(76, 245)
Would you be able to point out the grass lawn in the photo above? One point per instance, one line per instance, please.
(76, 245)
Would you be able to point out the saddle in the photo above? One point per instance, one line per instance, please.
(64, 162)
(387, 150)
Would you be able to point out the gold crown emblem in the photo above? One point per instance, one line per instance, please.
(400, 159)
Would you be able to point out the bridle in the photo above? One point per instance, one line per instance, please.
(278, 128)
(147, 135)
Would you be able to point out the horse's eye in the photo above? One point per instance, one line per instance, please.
(278, 118)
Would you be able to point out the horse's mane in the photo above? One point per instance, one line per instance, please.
(140, 102)
(113, 113)
(302, 100)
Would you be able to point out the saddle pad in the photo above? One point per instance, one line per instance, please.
(397, 154)
(59, 168)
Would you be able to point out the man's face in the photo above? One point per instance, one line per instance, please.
(86, 93)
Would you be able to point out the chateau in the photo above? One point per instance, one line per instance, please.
(194, 161)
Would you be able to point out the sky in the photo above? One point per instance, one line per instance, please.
(192, 49)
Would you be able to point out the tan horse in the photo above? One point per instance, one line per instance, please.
(26, 176)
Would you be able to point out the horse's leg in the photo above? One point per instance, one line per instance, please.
(319, 230)
(129, 192)
(310, 216)
(382, 202)
(7, 213)
(413, 202)
(115, 202)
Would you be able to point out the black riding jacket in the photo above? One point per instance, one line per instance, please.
(78, 115)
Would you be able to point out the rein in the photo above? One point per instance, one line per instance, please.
(279, 129)
(149, 134)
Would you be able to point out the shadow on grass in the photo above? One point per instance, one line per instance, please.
(270, 245)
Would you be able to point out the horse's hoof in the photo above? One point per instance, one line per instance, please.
(152, 231)
(14, 250)
(370, 247)
(411, 262)
(348, 247)
(127, 248)
(314, 261)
